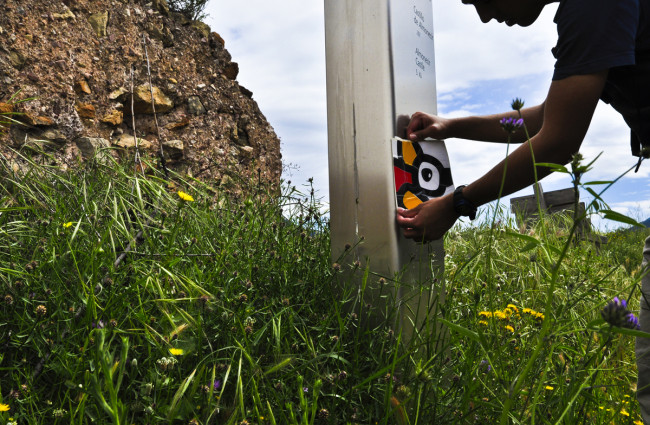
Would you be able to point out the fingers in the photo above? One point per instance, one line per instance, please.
(415, 126)
(403, 212)
(406, 220)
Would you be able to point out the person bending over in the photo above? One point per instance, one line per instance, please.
(602, 53)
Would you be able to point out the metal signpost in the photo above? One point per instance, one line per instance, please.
(380, 70)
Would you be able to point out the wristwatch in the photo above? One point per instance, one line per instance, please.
(462, 205)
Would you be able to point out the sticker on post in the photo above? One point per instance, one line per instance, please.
(421, 171)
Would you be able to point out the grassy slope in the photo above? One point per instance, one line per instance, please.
(226, 311)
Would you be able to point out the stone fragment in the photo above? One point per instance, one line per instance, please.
(54, 135)
(127, 141)
(217, 38)
(82, 86)
(173, 149)
(92, 147)
(118, 94)
(247, 151)
(42, 121)
(201, 27)
(35, 120)
(161, 6)
(226, 181)
(66, 14)
(142, 100)
(6, 108)
(114, 117)
(99, 22)
(194, 106)
(17, 59)
(231, 70)
(85, 110)
(246, 92)
(37, 141)
(178, 124)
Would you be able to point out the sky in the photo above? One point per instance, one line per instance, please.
(480, 68)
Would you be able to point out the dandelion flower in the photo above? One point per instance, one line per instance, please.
(68, 224)
(624, 412)
(637, 422)
(176, 351)
(548, 387)
(482, 322)
(185, 197)
(4, 407)
(510, 328)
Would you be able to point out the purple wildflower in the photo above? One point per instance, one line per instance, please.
(510, 125)
(616, 314)
(216, 384)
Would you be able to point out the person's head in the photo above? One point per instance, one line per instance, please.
(512, 12)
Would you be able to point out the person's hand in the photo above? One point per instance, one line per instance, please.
(428, 221)
(425, 125)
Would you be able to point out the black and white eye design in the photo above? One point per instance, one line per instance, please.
(429, 177)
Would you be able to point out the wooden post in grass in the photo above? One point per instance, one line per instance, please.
(380, 70)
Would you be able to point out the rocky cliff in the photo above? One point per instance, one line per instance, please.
(80, 61)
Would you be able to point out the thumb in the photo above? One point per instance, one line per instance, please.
(429, 131)
(403, 212)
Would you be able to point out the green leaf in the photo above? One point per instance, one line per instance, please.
(525, 238)
(621, 218)
(625, 331)
(284, 363)
(179, 393)
(461, 330)
(596, 182)
(557, 168)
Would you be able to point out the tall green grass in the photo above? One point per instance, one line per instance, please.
(124, 303)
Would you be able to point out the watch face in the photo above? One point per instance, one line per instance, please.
(421, 171)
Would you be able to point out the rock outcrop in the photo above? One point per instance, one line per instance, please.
(79, 61)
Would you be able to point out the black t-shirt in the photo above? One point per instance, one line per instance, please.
(594, 35)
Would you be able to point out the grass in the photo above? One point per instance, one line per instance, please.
(124, 303)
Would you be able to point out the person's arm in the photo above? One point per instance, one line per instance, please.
(482, 128)
(568, 110)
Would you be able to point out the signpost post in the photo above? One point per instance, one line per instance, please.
(380, 70)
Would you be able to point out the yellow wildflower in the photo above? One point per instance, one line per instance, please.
(68, 224)
(486, 314)
(176, 351)
(513, 308)
(510, 328)
(482, 322)
(624, 412)
(185, 197)
(637, 422)
(548, 387)
(4, 407)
